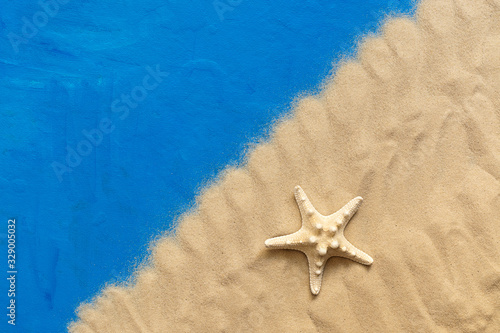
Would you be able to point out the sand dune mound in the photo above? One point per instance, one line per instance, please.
(413, 126)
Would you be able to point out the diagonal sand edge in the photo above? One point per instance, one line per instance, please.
(412, 126)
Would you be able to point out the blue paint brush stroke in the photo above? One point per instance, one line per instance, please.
(228, 79)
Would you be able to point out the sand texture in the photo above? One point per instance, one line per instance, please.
(413, 126)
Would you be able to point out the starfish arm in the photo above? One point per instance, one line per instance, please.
(315, 273)
(356, 254)
(286, 242)
(347, 212)
(305, 206)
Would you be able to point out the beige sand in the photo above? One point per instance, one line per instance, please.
(412, 126)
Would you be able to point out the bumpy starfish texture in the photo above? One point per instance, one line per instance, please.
(321, 237)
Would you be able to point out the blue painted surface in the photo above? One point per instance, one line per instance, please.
(229, 76)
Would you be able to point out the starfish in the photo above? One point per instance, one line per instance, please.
(321, 237)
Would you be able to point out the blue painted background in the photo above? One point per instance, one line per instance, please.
(232, 69)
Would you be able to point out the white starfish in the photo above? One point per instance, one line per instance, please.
(321, 237)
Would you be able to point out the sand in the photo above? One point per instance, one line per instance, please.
(413, 126)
